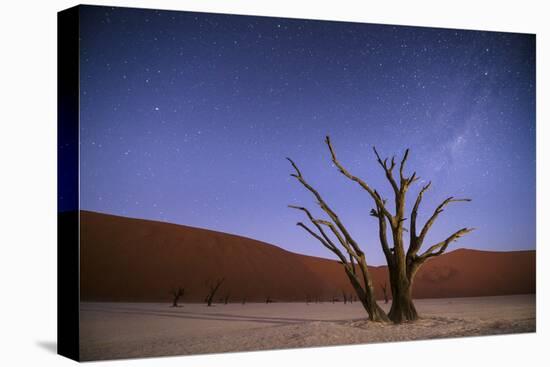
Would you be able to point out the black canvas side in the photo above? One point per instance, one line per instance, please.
(68, 183)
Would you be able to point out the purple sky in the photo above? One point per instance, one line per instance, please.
(188, 117)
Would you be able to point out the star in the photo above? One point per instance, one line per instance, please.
(238, 94)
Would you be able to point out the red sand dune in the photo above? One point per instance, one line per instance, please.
(124, 259)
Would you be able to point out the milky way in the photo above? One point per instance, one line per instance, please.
(188, 118)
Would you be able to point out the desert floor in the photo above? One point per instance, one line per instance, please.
(126, 330)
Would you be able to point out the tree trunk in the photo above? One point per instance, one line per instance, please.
(375, 312)
(378, 314)
(402, 307)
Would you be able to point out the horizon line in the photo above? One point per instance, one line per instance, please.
(267, 243)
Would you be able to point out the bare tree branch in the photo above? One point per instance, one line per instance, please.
(402, 167)
(434, 216)
(313, 220)
(365, 291)
(325, 240)
(352, 264)
(323, 204)
(414, 246)
(350, 270)
(382, 232)
(413, 178)
(311, 232)
(440, 247)
(362, 183)
(387, 170)
(356, 253)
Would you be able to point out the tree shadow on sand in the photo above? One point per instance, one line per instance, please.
(202, 316)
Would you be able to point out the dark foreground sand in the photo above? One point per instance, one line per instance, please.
(129, 330)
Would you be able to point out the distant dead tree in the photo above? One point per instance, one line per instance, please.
(403, 263)
(177, 293)
(345, 297)
(213, 288)
(385, 290)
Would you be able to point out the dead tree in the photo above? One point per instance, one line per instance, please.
(403, 263)
(177, 293)
(385, 291)
(362, 282)
(213, 288)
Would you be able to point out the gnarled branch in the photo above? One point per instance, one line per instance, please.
(382, 232)
(324, 239)
(361, 183)
(356, 253)
(414, 246)
(440, 247)
(348, 267)
(434, 216)
(402, 167)
(325, 243)
(387, 170)
(324, 206)
(313, 220)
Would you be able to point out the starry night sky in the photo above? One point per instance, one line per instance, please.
(188, 117)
